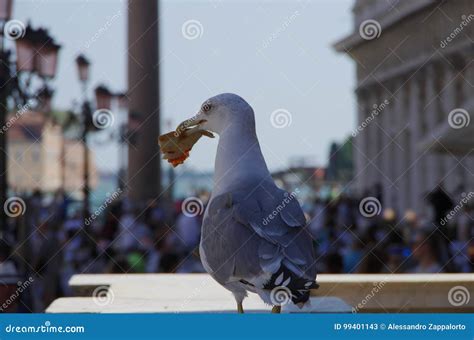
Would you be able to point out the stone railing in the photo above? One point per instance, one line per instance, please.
(362, 293)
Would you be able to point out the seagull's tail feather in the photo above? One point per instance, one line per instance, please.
(297, 287)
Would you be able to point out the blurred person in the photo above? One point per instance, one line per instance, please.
(464, 232)
(353, 256)
(188, 233)
(408, 226)
(8, 278)
(154, 256)
(47, 260)
(7, 265)
(465, 224)
(373, 258)
(344, 212)
(394, 260)
(334, 263)
(441, 203)
(318, 217)
(425, 254)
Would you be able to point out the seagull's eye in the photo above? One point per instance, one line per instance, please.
(206, 107)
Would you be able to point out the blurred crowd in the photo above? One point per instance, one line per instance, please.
(49, 243)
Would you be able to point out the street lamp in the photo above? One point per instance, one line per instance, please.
(5, 10)
(36, 55)
(83, 68)
(46, 59)
(103, 97)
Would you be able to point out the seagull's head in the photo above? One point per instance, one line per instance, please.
(220, 113)
(223, 114)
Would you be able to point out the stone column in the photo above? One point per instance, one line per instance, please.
(398, 165)
(404, 131)
(448, 102)
(416, 179)
(372, 148)
(432, 160)
(468, 96)
(386, 157)
(361, 144)
(144, 171)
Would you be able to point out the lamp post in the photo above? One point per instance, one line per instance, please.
(36, 56)
(103, 98)
(83, 66)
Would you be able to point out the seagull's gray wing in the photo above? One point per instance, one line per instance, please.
(261, 230)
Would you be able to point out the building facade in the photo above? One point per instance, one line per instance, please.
(415, 95)
(39, 157)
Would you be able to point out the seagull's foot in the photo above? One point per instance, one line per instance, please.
(276, 309)
(240, 308)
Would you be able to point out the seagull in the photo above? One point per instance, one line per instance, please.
(254, 236)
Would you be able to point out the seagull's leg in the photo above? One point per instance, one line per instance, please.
(240, 308)
(276, 309)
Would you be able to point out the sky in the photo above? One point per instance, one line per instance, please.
(277, 55)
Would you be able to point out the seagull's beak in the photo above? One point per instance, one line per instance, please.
(193, 125)
(177, 144)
